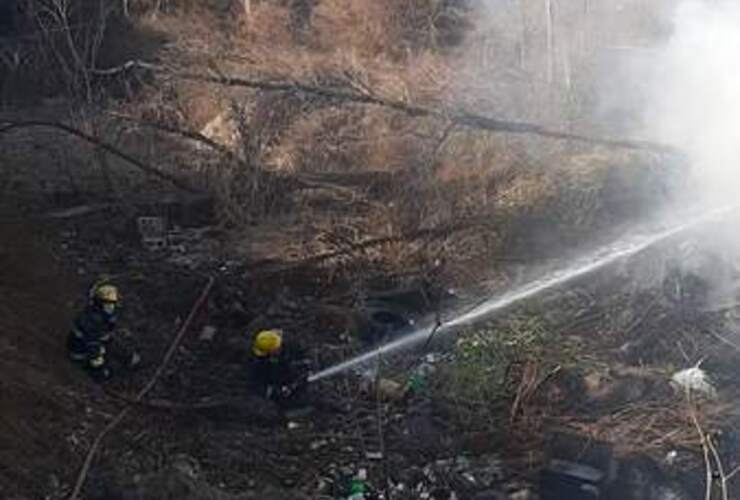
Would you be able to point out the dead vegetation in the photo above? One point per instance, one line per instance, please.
(337, 142)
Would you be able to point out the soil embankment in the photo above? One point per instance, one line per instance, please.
(39, 412)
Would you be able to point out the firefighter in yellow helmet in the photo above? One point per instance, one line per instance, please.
(90, 341)
(277, 369)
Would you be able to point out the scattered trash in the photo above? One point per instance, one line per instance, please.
(575, 481)
(693, 379)
(176, 239)
(187, 247)
(152, 231)
(358, 486)
(208, 333)
(374, 455)
(418, 378)
(318, 444)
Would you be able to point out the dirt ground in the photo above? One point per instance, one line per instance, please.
(42, 402)
(201, 413)
(201, 408)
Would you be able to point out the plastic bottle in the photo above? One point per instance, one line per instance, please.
(358, 486)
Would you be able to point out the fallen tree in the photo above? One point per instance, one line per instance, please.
(455, 117)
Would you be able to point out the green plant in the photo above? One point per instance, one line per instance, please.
(485, 354)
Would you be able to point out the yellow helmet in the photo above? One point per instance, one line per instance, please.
(106, 293)
(267, 342)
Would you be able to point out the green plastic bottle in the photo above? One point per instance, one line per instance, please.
(416, 382)
(358, 486)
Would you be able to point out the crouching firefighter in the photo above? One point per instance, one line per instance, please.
(278, 370)
(91, 342)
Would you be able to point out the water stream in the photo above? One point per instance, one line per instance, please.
(626, 247)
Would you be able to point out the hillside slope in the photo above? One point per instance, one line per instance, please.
(40, 412)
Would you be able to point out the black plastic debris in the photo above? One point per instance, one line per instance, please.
(564, 480)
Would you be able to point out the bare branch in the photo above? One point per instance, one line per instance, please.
(9, 126)
(187, 134)
(461, 118)
(714, 467)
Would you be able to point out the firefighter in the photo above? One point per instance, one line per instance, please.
(277, 371)
(90, 341)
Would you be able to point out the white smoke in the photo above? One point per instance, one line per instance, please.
(694, 95)
(693, 103)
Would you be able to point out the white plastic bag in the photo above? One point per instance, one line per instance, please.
(693, 379)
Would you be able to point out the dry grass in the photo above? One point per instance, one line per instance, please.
(402, 50)
(653, 426)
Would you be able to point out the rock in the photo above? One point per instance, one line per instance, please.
(390, 389)
(593, 381)
(523, 494)
(385, 389)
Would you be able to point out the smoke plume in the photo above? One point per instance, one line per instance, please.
(694, 95)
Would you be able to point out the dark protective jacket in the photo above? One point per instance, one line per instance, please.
(286, 368)
(91, 331)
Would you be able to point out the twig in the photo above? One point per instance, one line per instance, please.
(442, 140)
(720, 467)
(683, 352)
(7, 126)
(157, 374)
(641, 319)
(724, 340)
(527, 387)
(709, 476)
(734, 471)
